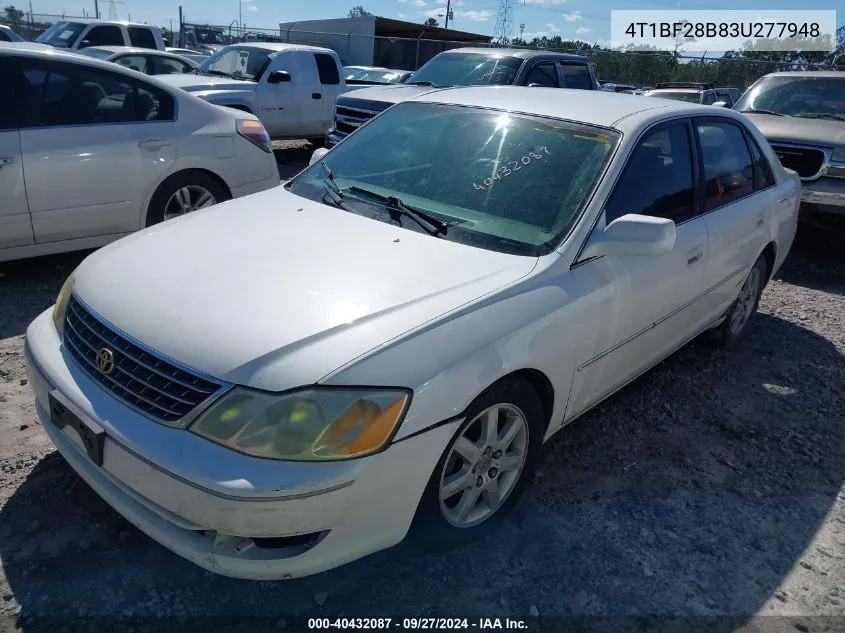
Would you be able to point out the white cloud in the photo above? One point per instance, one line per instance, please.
(252, 7)
(475, 16)
(419, 3)
(544, 2)
(574, 16)
(552, 28)
(530, 35)
(581, 30)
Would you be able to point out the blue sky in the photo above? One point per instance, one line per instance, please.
(571, 19)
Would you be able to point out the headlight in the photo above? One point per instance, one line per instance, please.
(838, 154)
(318, 424)
(61, 303)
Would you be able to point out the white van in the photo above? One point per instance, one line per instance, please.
(292, 88)
(75, 34)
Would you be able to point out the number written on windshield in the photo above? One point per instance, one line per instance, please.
(511, 167)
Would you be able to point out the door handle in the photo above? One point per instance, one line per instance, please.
(694, 256)
(8, 160)
(153, 143)
(316, 95)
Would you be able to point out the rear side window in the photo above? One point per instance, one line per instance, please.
(4, 36)
(104, 36)
(327, 68)
(576, 76)
(658, 178)
(728, 169)
(8, 101)
(168, 66)
(141, 37)
(69, 95)
(763, 177)
(709, 99)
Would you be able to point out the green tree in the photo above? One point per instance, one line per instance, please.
(431, 22)
(358, 12)
(13, 16)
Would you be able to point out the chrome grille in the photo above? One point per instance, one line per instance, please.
(347, 119)
(806, 161)
(152, 385)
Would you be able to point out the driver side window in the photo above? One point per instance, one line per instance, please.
(658, 178)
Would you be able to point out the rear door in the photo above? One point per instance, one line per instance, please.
(543, 74)
(738, 194)
(15, 224)
(93, 142)
(575, 76)
(328, 73)
(102, 35)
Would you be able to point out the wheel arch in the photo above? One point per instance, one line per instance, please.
(161, 183)
(770, 255)
(538, 381)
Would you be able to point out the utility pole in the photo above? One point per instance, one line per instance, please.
(521, 30)
(448, 4)
(96, 10)
(241, 16)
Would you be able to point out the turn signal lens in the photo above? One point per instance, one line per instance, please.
(61, 303)
(255, 133)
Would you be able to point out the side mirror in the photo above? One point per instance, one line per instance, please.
(278, 77)
(632, 234)
(317, 155)
(85, 44)
(721, 104)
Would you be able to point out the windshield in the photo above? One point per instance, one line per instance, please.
(689, 97)
(374, 76)
(95, 52)
(822, 97)
(500, 181)
(238, 62)
(468, 69)
(61, 34)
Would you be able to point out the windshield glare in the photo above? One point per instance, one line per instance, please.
(61, 34)
(505, 182)
(95, 52)
(376, 76)
(689, 97)
(796, 96)
(238, 62)
(468, 69)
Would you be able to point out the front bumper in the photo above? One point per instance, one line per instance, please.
(215, 507)
(825, 194)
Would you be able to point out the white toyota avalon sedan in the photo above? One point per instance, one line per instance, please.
(91, 151)
(284, 383)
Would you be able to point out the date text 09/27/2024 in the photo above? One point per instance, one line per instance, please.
(408, 624)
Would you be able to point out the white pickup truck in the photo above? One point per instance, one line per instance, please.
(292, 88)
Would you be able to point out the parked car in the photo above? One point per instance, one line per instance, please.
(374, 75)
(8, 35)
(695, 92)
(187, 53)
(570, 242)
(143, 60)
(802, 114)
(76, 34)
(72, 179)
(466, 67)
(292, 88)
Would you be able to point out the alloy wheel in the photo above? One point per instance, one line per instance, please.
(187, 199)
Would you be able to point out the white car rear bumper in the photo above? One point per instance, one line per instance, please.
(356, 508)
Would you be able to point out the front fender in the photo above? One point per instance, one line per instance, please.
(449, 363)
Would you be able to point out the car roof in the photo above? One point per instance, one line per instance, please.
(809, 73)
(132, 49)
(280, 46)
(595, 107)
(101, 21)
(512, 52)
(683, 89)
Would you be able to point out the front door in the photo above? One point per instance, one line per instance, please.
(282, 106)
(15, 225)
(94, 143)
(642, 306)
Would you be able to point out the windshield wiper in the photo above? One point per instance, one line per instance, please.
(429, 223)
(219, 73)
(812, 115)
(421, 83)
(758, 111)
(331, 186)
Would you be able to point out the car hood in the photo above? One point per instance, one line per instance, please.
(275, 291)
(199, 83)
(382, 97)
(790, 129)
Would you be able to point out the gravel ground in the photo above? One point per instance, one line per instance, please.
(707, 495)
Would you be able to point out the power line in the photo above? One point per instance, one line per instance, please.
(504, 21)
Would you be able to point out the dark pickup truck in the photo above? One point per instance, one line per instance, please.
(465, 67)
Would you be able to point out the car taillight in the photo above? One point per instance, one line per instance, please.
(255, 133)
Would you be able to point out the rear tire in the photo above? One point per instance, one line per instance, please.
(742, 312)
(485, 468)
(183, 193)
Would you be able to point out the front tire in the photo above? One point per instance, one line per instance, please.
(183, 193)
(742, 312)
(485, 468)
